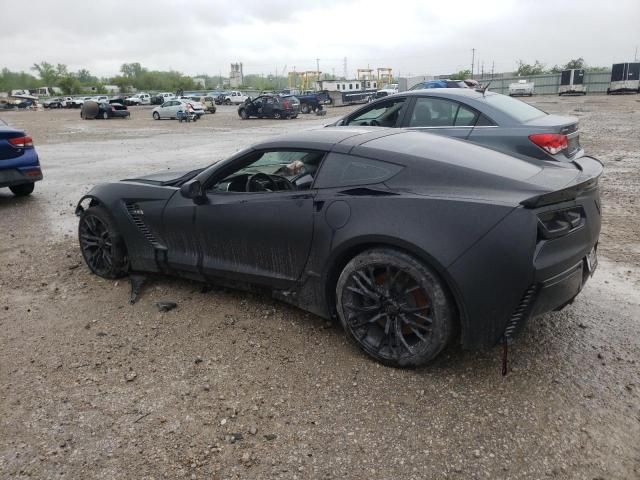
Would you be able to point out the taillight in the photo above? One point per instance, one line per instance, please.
(550, 142)
(286, 104)
(21, 142)
(556, 223)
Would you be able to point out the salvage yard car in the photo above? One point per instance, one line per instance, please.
(171, 108)
(103, 110)
(270, 106)
(487, 118)
(408, 238)
(19, 163)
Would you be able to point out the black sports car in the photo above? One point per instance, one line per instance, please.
(270, 106)
(406, 237)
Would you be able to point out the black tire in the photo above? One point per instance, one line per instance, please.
(227, 102)
(156, 116)
(22, 190)
(305, 108)
(243, 114)
(105, 115)
(101, 245)
(394, 308)
(277, 115)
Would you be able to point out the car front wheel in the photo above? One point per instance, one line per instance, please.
(394, 308)
(101, 245)
(22, 190)
(243, 114)
(156, 116)
(105, 115)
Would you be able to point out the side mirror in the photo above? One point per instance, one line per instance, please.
(194, 191)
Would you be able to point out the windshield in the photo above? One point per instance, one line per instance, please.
(515, 108)
(390, 86)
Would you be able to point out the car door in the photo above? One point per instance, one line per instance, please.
(441, 116)
(267, 106)
(263, 237)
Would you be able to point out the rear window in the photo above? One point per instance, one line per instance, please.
(517, 109)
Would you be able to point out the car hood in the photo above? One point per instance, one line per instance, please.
(169, 178)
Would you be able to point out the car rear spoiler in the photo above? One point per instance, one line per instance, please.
(591, 169)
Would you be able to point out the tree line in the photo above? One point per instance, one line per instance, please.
(537, 68)
(132, 76)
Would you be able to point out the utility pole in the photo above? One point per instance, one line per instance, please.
(345, 68)
(318, 67)
(473, 60)
(635, 55)
(482, 74)
(493, 65)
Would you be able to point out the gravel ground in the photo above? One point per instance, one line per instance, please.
(234, 385)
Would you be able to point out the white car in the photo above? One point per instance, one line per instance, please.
(101, 98)
(521, 87)
(171, 108)
(139, 99)
(235, 97)
(78, 102)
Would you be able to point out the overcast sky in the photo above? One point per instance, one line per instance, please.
(411, 36)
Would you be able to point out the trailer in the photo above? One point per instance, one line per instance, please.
(625, 77)
(572, 82)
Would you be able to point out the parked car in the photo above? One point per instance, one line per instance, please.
(405, 237)
(521, 87)
(19, 163)
(78, 102)
(220, 98)
(235, 98)
(311, 101)
(439, 84)
(171, 108)
(270, 106)
(490, 119)
(138, 99)
(207, 102)
(101, 98)
(103, 110)
(56, 102)
(385, 91)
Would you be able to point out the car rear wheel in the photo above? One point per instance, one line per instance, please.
(243, 114)
(277, 115)
(156, 116)
(101, 245)
(22, 190)
(394, 308)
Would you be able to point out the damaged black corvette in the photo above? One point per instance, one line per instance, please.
(410, 239)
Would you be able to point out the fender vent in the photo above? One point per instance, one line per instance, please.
(136, 213)
(520, 313)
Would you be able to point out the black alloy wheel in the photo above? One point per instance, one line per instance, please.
(394, 308)
(101, 246)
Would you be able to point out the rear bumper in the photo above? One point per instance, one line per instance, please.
(20, 176)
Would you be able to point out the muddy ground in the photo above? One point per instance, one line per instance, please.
(234, 385)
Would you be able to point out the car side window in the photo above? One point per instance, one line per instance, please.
(383, 114)
(271, 171)
(341, 170)
(484, 121)
(465, 117)
(438, 112)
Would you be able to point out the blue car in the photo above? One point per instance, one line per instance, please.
(19, 164)
(439, 84)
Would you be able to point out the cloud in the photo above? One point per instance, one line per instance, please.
(411, 36)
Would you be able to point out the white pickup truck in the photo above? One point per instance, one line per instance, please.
(235, 97)
(521, 87)
(138, 99)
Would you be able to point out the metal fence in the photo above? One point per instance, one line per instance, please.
(548, 84)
